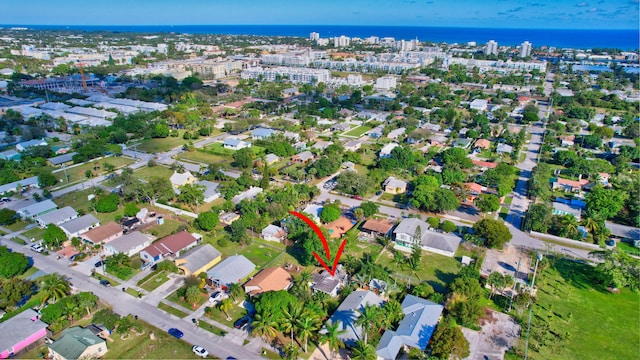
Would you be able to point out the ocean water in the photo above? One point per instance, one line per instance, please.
(564, 38)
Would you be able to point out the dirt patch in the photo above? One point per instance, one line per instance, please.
(498, 333)
(506, 262)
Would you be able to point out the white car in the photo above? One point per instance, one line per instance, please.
(200, 351)
(216, 296)
(37, 247)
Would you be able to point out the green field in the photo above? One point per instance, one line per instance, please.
(201, 156)
(148, 172)
(151, 283)
(153, 146)
(77, 200)
(172, 310)
(77, 173)
(602, 325)
(357, 131)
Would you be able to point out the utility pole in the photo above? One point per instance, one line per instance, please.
(513, 288)
(533, 281)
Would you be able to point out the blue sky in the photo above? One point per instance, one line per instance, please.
(580, 14)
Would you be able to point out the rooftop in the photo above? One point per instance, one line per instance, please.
(198, 257)
(103, 232)
(19, 328)
(231, 270)
(74, 341)
(171, 244)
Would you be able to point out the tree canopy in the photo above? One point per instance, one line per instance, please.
(494, 232)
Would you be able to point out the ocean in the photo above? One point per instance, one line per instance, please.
(562, 38)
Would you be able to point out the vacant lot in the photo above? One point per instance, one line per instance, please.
(148, 172)
(142, 347)
(600, 324)
(153, 146)
(78, 173)
(357, 131)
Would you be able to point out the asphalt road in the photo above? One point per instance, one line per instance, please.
(125, 304)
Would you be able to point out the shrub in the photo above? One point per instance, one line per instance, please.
(448, 226)
(434, 222)
(107, 204)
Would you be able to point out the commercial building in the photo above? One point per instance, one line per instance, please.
(525, 49)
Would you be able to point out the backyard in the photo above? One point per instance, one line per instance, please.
(357, 131)
(600, 324)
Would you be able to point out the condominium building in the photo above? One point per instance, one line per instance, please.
(295, 75)
(491, 48)
(314, 36)
(341, 41)
(525, 49)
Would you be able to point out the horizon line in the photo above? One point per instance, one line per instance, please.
(347, 25)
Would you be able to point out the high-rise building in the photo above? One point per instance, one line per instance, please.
(341, 41)
(525, 49)
(314, 36)
(491, 48)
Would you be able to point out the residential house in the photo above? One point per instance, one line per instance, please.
(375, 133)
(198, 260)
(321, 145)
(262, 133)
(482, 144)
(415, 232)
(77, 343)
(341, 127)
(385, 152)
(235, 144)
(171, 245)
(233, 269)
(378, 227)
(271, 159)
(394, 134)
(502, 149)
(349, 311)
(348, 165)
(27, 183)
(73, 228)
(274, 233)
(31, 143)
(484, 165)
(65, 159)
(567, 140)
(36, 210)
(249, 194)
(414, 330)
(21, 332)
(211, 192)
(129, 244)
(394, 186)
(10, 155)
(303, 157)
(329, 284)
(559, 208)
(353, 145)
(269, 279)
(228, 218)
(102, 234)
(57, 217)
(568, 185)
(462, 143)
(339, 227)
(625, 233)
(475, 190)
(479, 105)
(313, 210)
(178, 179)
(295, 137)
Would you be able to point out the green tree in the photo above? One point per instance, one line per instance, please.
(54, 287)
(11, 263)
(131, 209)
(53, 236)
(448, 342)
(207, 221)
(488, 202)
(618, 269)
(363, 351)
(265, 327)
(606, 203)
(331, 337)
(226, 305)
(243, 158)
(330, 212)
(7, 216)
(448, 226)
(192, 195)
(538, 218)
(192, 296)
(369, 208)
(108, 203)
(106, 317)
(307, 326)
(367, 318)
(494, 232)
(291, 317)
(423, 290)
(496, 280)
(237, 291)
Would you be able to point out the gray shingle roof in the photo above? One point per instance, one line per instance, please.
(38, 208)
(444, 242)
(24, 182)
(349, 310)
(198, 257)
(62, 158)
(409, 226)
(231, 270)
(77, 224)
(19, 328)
(58, 216)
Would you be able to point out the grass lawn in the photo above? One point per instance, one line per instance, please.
(437, 270)
(212, 329)
(603, 325)
(260, 253)
(109, 217)
(204, 157)
(165, 229)
(18, 241)
(173, 297)
(147, 172)
(628, 248)
(77, 200)
(153, 146)
(357, 131)
(30, 271)
(172, 310)
(235, 313)
(164, 346)
(155, 281)
(133, 292)
(35, 233)
(77, 173)
(17, 226)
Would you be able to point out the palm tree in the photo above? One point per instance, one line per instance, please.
(363, 351)
(303, 281)
(292, 315)
(307, 326)
(332, 337)
(264, 327)
(236, 291)
(591, 225)
(71, 307)
(87, 301)
(54, 287)
(291, 351)
(366, 319)
(393, 311)
(226, 305)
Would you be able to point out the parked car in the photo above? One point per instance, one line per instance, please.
(37, 247)
(105, 283)
(98, 263)
(176, 333)
(216, 296)
(5, 200)
(357, 197)
(240, 323)
(200, 351)
(610, 242)
(379, 192)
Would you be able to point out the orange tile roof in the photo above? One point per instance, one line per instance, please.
(270, 279)
(382, 226)
(339, 227)
(487, 164)
(103, 232)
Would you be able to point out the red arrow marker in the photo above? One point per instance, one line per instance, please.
(325, 244)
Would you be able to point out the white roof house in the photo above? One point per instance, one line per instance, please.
(57, 217)
(27, 144)
(38, 209)
(210, 190)
(385, 152)
(231, 270)
(349, 311)
(129, 244)
(178, 179)
(479, 104)
(395, 186)
(249, 194)
(235, 144)
(435, 242)
(80, 225)
(101, 114)
(273, 233)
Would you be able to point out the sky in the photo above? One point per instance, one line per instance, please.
(556, 14)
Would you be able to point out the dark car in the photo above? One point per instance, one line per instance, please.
(104, 282)
(240, 323)
(610, 242)
(176, 333)
(99, 263)
(379, 192)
